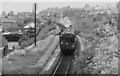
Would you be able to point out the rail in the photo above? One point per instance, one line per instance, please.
(63, 66)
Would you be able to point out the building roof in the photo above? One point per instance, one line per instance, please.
(30, 25)
(10, 25)
(4, 20)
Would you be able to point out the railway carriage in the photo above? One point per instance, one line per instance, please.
(67, 43)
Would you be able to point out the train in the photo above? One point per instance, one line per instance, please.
(68, 43)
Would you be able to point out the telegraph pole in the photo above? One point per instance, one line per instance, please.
(35, 23)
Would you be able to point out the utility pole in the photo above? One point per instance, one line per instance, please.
(35, 23)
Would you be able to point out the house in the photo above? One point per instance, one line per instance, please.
(10, 25)
(10, 30)
(30, 25)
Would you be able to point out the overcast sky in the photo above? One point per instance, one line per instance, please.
(19, 6)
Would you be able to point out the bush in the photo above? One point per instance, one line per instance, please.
(100, 47)
(25, 41)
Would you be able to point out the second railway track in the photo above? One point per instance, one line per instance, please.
(63, 66)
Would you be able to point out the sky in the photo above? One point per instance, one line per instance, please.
(27, 5)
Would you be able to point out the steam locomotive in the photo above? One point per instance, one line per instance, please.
(67, 43)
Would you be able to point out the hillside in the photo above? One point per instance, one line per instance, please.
(97, 35)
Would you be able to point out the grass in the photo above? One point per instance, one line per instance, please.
(29, 59)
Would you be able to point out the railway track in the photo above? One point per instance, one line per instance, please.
(63, 66)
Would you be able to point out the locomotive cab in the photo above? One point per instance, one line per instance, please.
(67, 43)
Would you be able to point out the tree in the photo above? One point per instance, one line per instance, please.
(118, 6)
(87, 7)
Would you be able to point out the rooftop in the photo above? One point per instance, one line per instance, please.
(4, 20)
